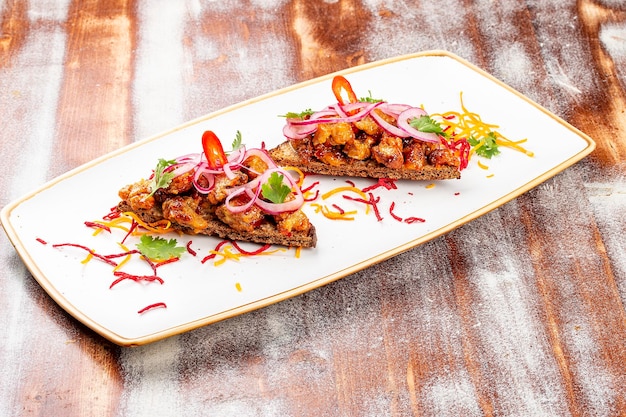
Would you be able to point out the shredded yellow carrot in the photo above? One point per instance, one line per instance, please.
(298, 251)
(345, 188)
(267, 252)
(335, 215)
(161, 226)
(481, 165)
(114, 223)
(299, 172)
(317, 207)
(126, 258)
(431, 185)
(87, 259)
(238, 286)
(226, 254)
(469, 124)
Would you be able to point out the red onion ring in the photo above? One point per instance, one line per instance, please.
(410, 114)
(253, 191)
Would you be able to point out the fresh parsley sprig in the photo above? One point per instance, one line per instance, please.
(302, 115)
(427, 125)
(159, 249)
(161, 178)
(237, 142)
(370, 99)
(275, 189)
(485, 146)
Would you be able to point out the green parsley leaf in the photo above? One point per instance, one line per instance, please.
(274, 189)
(486, 147)
(159, 249)
(427, 125)
(237, 142)
(302, 115)
(370, 99)
(161, 179)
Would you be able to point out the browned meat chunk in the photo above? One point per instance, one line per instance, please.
(181, 184)
(414, 157)
(443, 157)
(295, 221)
(256, 166)
(330, 154)
(182, 210)
(137, 195)
(222, 183)
(359, 148)
(389, 152)
(244, 221)
(369, 126)
(333, 133)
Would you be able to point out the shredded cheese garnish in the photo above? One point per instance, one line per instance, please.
(126, 258)
(299, 172)
(88, 258)
(469, 124)
(162, 226)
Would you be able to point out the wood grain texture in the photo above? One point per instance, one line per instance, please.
(518, 313)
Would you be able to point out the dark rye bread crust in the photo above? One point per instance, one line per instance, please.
(285, 155)
(264, 234)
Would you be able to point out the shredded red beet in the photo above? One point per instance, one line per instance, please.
(119, 255)
(217, 249)
(391, 207)
(310, 187)
(167, 261)
(387, 183)
(131, 229)
(372, 202)
(114, 213)
(151, 307)
(414, 220)
(95, 225)
(137, 278)
(152, 264)
(191, 251)
(40, 240)
(317, 193)
(94, 254)
(339, 209)
(245, 252)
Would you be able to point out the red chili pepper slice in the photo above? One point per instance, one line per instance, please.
(339, 84)
(213, 150)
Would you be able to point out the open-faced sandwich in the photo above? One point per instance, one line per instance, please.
(369, 138)
(241, 196)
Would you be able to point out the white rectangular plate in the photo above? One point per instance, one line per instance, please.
(196, 293)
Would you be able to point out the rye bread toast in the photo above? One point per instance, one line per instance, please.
(264, 234)
(285, 154)
(369, 138)
(242, 196)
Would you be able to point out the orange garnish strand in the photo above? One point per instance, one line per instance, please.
(482, 166)
(162, 226)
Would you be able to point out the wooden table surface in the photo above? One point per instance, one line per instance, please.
(518, 313)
